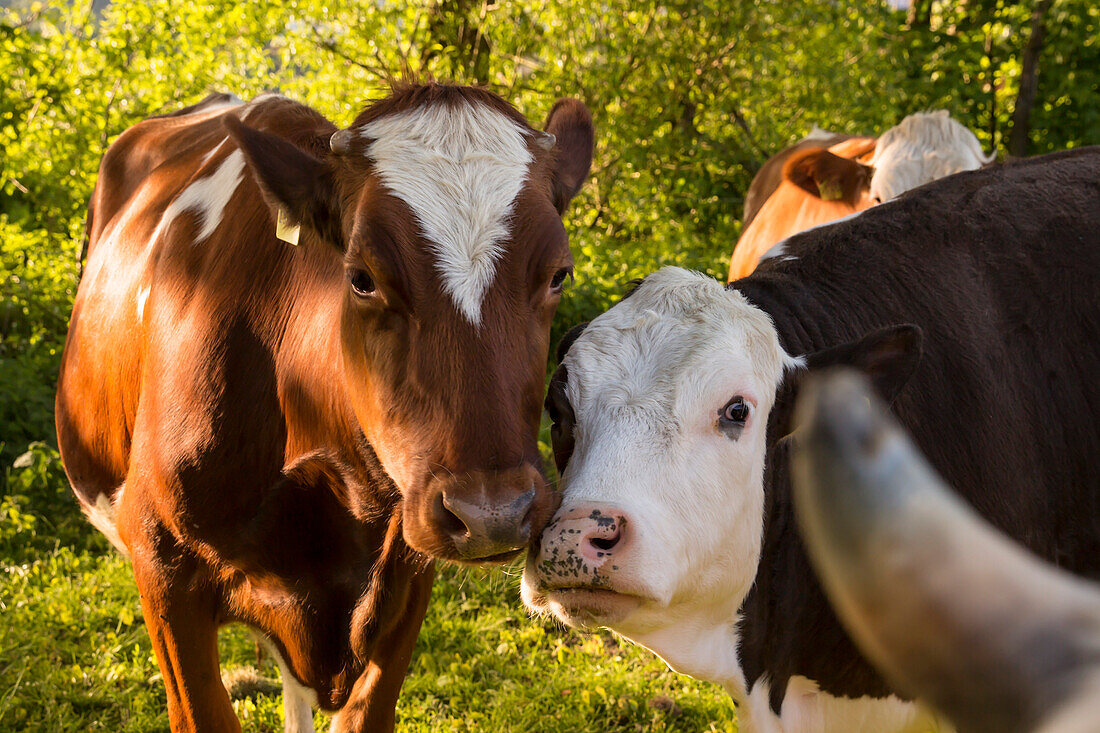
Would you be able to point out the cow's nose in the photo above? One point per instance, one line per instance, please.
(600, 535)
(484, 525)
(582, 545)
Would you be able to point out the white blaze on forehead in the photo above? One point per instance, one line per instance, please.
(208, 196)
(459, 168)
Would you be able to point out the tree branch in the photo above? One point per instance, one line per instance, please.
(1029, 82)
(329, 45)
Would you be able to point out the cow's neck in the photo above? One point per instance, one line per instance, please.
(703, 646)
(802, 310)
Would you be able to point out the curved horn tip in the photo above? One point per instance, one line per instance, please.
(340, 142)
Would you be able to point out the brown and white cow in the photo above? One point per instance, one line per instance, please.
(772, 175)
(823, 180)
(283, 433)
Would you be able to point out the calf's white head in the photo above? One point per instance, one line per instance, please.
(661, 412)
(920, 149)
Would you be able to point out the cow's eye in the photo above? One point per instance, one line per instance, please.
(734, 414)
(362, 284)
(557, 283)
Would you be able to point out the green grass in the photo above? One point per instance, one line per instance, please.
(74, 655)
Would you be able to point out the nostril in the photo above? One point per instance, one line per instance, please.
(528, 520)
(448, 521)
(605, 543)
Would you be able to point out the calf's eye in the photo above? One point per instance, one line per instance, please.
(734, 414)
(362, 284)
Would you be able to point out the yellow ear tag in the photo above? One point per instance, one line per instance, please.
(829, 191)
(285, 230)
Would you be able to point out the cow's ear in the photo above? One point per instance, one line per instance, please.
(299, 188)
(568, 339)
(889, 356)
(829, 177)
(570, 123)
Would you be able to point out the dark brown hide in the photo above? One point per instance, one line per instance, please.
(998, 269)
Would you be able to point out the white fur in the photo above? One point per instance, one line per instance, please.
(213, 110)
(208, 196)
(298, 700)
(459, 168)
(806, 709)
(818, 134)
(647, 381)
(922, 148)
(104, 516)
(263, 97)
(142, 296)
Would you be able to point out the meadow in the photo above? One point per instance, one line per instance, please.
(689, 99)
(74, 656)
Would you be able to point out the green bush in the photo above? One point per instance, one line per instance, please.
(40, 514)
(38, 275)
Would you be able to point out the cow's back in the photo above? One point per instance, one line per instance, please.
(181, 268)
(1001, 270)
(140, 149)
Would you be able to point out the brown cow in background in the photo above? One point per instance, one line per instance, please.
(303, 361)
(771, 176)
(823, 178)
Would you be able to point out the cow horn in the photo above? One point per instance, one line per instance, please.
(946, 607)
(340, 142)
(545, 140)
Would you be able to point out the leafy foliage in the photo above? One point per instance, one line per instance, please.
(689, 100)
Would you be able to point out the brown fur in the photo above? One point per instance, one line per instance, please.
(796, 203)
(829, 177)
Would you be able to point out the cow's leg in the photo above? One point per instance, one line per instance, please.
(298, 704)
(298, 701)
(179, 602)
(373, 699)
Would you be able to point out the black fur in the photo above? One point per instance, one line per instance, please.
(999, 269)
